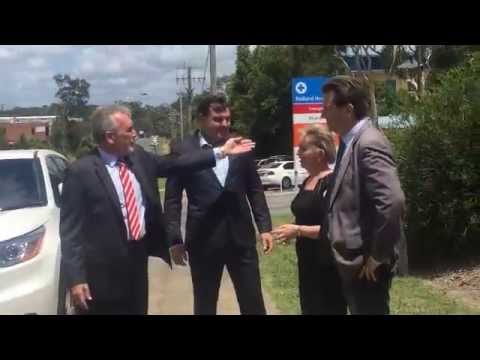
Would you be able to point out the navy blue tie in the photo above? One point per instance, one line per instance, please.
(341, 151)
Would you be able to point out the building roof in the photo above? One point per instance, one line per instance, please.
(28, 119)
(408, 64)
(378, 64)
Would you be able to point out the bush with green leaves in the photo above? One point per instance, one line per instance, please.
(3, 140)
(439, 165)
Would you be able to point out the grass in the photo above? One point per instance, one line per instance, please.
(413, 296)
(409, 295)
(279, 273)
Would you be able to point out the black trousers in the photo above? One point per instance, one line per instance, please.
(242, 265)
(320, 288)
(133, 279)
(365, 297)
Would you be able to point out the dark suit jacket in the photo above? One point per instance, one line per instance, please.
(216, 215)
(366, 203)
(93, 235)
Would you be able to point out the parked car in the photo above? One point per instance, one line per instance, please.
(272, 159)
(302, 174)
(264, 162)
(282, 157)
(277, 174)
(30, 279)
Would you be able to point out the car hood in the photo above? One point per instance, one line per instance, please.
(17, 222)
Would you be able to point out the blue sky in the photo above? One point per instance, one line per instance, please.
(115, 72)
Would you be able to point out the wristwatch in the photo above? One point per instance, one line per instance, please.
(219, 153)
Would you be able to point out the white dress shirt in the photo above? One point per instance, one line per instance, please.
(222, 164)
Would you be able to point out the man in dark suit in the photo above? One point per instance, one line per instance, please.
(111, 217)
(366, 201)
(219, 230)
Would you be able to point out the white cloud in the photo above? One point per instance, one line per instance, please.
(5, 53)
(115, 72)
(36, 62)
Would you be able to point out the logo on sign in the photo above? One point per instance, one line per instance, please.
(301, 88)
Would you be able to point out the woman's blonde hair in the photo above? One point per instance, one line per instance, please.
(321, 138)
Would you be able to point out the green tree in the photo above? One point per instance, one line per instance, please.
(160, 121)
(260, 90)
(73, 93)
(313, 60)
(3, 141)
(58, 136)
(243, 108)
(438, 163)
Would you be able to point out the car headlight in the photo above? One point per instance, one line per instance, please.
(21, 248)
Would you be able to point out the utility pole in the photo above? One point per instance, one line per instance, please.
(181, 115)
(172, 119)
(189, 99)
(213, 69)
(189, 92)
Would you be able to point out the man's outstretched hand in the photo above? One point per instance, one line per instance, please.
(237, 145)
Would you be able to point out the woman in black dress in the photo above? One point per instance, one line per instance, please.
(319, 284)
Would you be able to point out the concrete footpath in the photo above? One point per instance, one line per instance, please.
(171, 292)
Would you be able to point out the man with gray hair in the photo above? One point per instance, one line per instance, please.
(111, 217)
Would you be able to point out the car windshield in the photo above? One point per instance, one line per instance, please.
(22, 184)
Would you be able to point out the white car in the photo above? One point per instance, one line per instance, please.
(29, 232)
(264, 162)
(279, 173)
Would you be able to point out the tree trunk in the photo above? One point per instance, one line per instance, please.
(420, 75)
(373, 103)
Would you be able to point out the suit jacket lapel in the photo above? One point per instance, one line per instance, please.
(347, 157)
(108, 184)
(232, 164)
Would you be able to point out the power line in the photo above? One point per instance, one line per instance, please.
(213, 69)
(189, 92)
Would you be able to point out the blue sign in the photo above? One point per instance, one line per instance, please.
(308, 89)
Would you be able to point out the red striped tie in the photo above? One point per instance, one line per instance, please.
(130, 202)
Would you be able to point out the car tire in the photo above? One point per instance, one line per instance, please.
(286, 183)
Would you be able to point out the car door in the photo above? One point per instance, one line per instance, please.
(57, 167)
(289, 171)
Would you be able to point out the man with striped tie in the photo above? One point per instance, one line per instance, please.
(111, 216)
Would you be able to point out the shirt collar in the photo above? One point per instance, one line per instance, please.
(108, 159)
(203, 141)
(348, 137)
